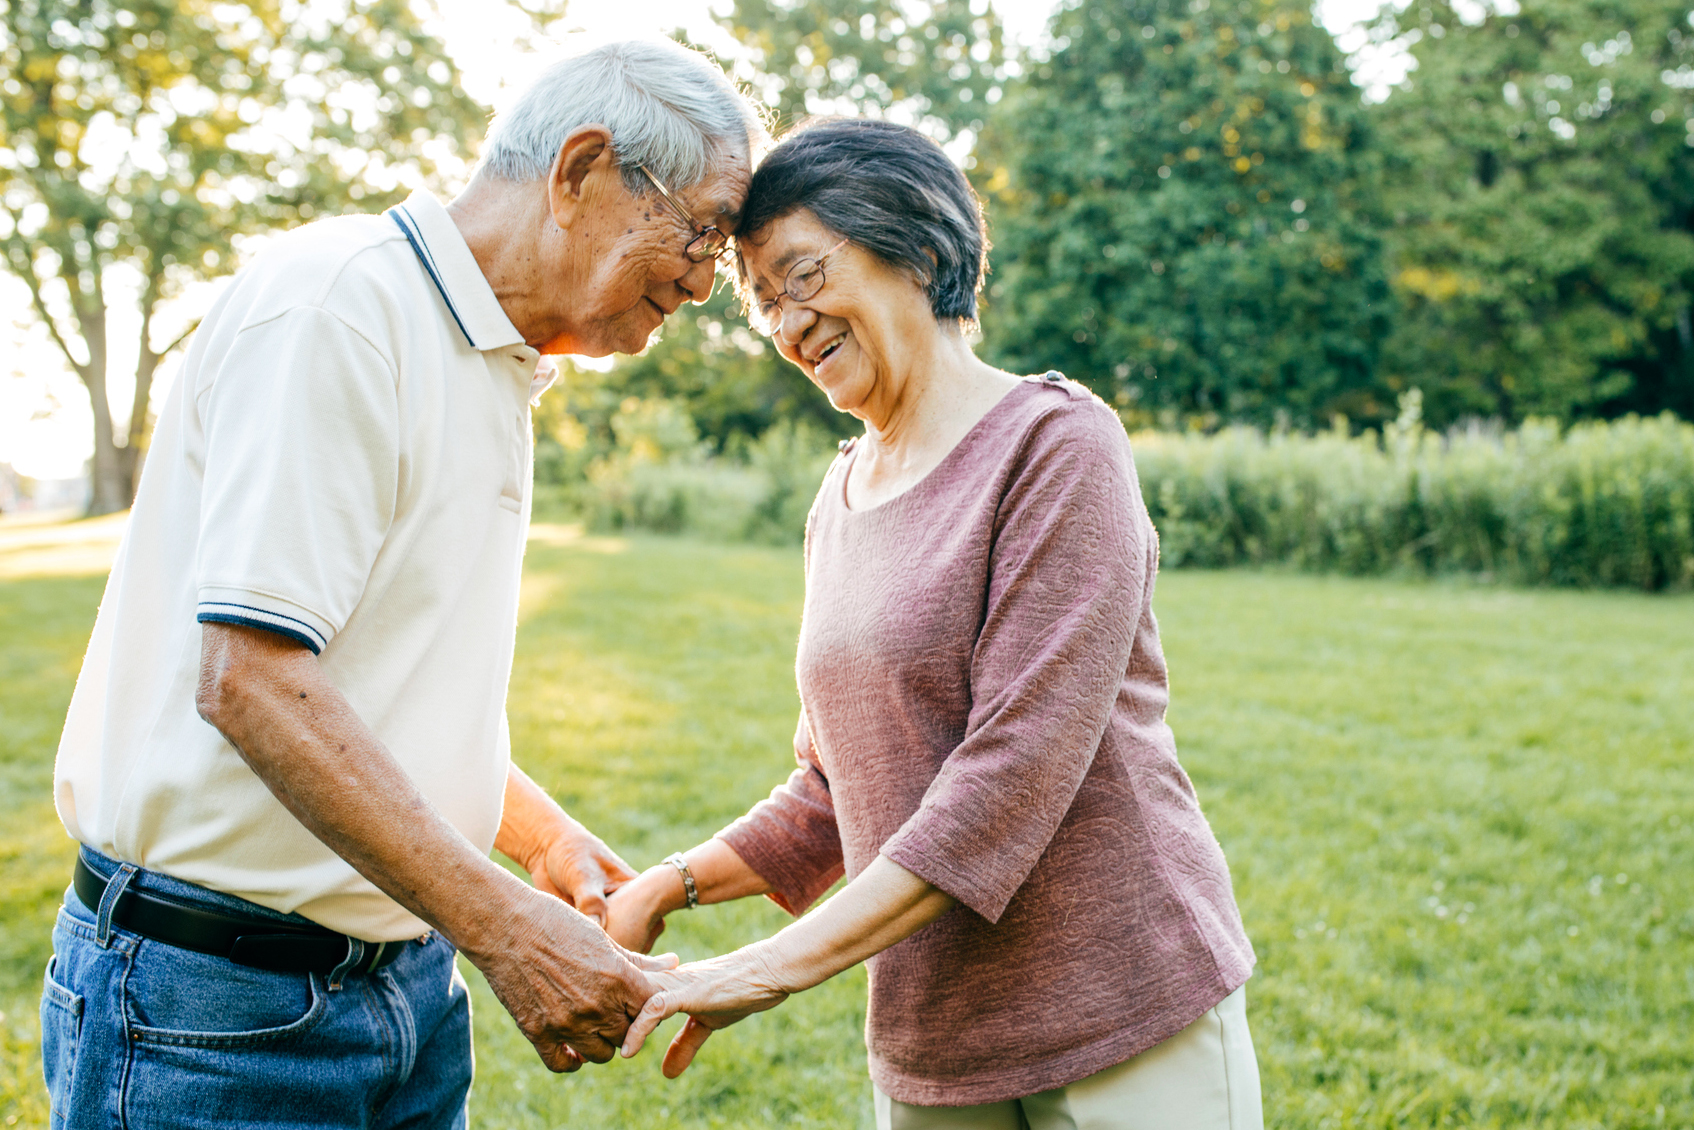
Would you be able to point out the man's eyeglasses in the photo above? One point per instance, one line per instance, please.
(802, 283)
(708, 242)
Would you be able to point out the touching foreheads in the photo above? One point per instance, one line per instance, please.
(668, 108)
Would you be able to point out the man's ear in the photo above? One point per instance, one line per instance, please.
(585, 158)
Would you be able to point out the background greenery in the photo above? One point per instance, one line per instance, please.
(1459, 820)
(1194, 210)
(1606, 503)
(156, 134)
(1603, 503)
(1195, 213)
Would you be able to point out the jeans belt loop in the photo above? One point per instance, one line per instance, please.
(349, 964)
(115, 887)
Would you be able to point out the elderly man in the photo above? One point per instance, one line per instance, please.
(287, 756)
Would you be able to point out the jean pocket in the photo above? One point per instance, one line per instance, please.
(188, 999)
(61, 1032)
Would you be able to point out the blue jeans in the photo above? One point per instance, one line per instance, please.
(138, 1034)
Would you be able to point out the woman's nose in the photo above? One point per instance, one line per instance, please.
(796, 320)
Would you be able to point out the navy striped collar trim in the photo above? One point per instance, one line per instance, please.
(404, 221)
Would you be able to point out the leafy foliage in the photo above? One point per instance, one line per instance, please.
(1543, 202)
(155, 133)
(1184, 204)
(1530, 195)
(641, 463)
(1606, 503)
(942, 62)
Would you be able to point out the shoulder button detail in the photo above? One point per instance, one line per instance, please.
(1053, 377)
(843, 445)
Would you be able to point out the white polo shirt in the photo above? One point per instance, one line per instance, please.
(345, 460)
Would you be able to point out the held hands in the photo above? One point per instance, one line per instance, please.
(635, 914)
(571, 989)
(715, 993)
(611, 993)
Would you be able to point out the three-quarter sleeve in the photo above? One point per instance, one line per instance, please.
(790, 838)
(1068, 574)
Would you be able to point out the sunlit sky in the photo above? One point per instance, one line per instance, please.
(45, 423)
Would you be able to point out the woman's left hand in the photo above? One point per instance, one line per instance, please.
(635, 912)
(714, 993)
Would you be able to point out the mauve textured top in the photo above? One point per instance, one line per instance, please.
(983, 702)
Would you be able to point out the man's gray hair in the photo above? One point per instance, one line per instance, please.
(669, 108)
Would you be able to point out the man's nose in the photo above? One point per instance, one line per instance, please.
(698, 280)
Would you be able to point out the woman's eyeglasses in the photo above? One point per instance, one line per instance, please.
(802, 283)
(708, 242)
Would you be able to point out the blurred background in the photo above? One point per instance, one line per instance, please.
(1393, 299)
(1242, 222)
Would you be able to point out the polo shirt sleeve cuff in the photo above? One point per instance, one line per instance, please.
(262, 610)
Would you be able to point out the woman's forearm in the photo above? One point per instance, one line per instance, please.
(635, 915)
(720, 875)
(885, 905)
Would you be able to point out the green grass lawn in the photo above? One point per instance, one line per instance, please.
(1460, 820)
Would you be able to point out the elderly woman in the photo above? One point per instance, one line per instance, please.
(1049, 923)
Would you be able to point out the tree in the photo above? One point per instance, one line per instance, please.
(1543, 203)
(1184, 200)
(156, 133)
(942, 62)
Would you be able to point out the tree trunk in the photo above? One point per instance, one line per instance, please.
(109, 477)
(146, 365)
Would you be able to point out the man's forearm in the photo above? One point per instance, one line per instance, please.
(274, 703)
(568, 987)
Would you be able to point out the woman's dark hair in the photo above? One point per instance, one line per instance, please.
(890, 190)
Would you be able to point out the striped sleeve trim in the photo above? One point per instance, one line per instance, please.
(217, 612)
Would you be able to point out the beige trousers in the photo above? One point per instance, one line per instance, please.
(1203, 1078)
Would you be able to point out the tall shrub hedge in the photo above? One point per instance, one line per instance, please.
(1601, 504)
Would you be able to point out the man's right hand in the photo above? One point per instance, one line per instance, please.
(572, 991)
(566, 983)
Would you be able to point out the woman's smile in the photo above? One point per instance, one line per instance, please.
(830, 347)
(830, 362)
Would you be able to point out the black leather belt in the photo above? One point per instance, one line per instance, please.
(281, 947)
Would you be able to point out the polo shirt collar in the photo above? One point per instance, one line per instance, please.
(448, 261)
